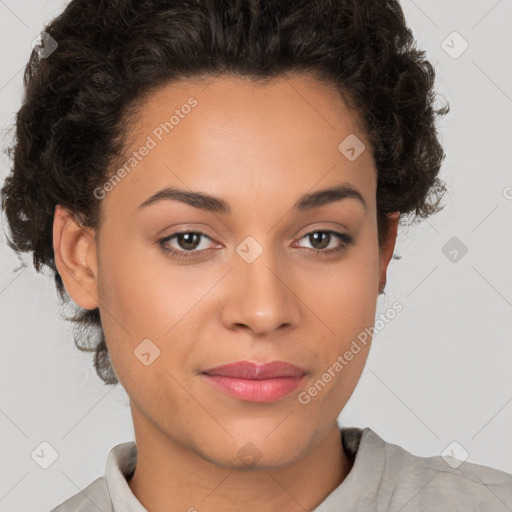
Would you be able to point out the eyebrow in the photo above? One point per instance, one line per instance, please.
(214, 204)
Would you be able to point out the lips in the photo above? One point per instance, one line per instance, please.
(253, 382)
(255, 371)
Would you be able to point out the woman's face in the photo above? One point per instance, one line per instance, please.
(260, 281)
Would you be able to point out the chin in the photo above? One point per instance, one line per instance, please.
(256, 451)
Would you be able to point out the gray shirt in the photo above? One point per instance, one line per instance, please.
(384, 477)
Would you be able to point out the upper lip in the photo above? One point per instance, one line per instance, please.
(256, 371)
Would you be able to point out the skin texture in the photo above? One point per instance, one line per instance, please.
(258, 147)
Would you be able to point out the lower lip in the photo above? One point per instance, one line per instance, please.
(266, 390)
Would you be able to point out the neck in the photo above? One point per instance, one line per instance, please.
(169, 477)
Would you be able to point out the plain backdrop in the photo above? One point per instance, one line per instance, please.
(438, 373)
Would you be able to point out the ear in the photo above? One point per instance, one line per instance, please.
(386, 251)
(75, 252)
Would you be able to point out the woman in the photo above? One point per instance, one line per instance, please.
(217, 185)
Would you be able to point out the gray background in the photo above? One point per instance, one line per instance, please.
(437, 373)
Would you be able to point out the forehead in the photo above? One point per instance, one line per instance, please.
(233, 137)
(305, 106)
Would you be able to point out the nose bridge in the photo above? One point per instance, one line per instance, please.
(261, 298)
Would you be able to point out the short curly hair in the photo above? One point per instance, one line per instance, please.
(111, 54)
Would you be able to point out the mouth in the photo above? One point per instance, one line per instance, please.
(255, 382)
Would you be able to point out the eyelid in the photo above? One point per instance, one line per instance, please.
(308, 231)
(334, 228)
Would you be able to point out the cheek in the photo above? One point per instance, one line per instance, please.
(144, 297)
(345, 299)
(142, 293)
(345, 295)
(346, 305)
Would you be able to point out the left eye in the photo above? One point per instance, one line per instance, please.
(190, 240)
(324, 237)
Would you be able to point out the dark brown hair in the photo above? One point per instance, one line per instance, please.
(110, 54)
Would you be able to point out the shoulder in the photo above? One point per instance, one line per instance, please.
(442, 483)
(94, 498)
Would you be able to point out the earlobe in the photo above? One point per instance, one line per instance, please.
(75, 252)
(387, 250)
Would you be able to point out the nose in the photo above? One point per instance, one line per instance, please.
(260, 296)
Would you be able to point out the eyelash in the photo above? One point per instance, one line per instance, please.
(345, 240)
